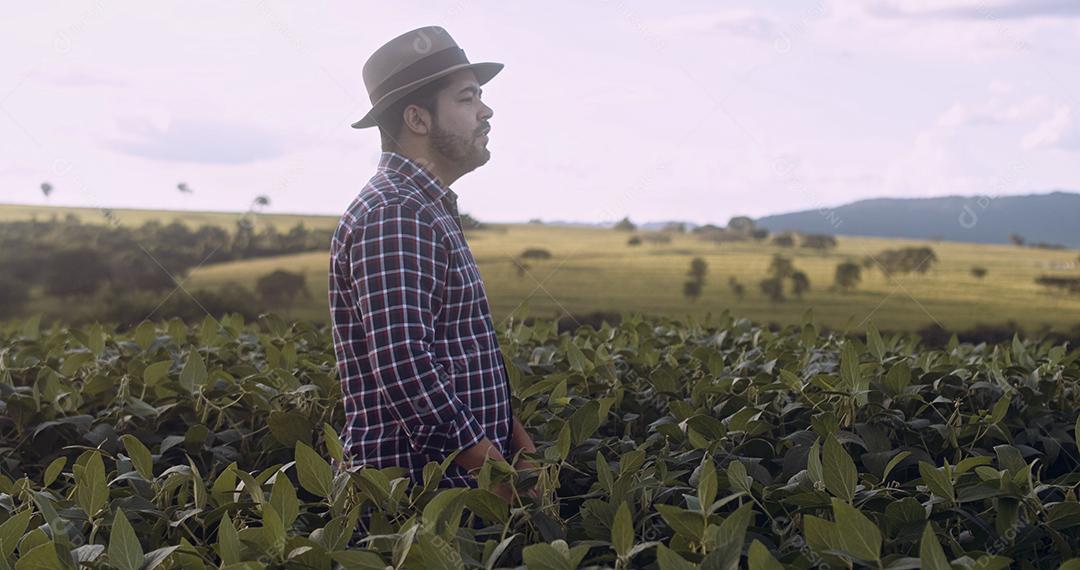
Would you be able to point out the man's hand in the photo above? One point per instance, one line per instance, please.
(521, 442)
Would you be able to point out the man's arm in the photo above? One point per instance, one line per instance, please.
(398, 268)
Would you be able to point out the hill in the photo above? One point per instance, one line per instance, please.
(1038, 218)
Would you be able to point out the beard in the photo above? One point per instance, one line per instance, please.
(463, 151)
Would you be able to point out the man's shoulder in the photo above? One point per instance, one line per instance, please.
(387, 193)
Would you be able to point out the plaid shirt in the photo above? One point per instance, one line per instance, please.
(419, 361)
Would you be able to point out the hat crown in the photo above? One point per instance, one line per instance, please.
(403, 51)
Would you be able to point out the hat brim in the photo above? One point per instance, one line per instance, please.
(485, 70)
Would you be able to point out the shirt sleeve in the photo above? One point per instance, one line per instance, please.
(398, 268)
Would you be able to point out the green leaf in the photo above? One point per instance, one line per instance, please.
(283, 498)
(893, 463)
(690, 524)
(1001, 407)
(194, 372)
(931, 555)
(125, 552)
(315, 473)
(874, 342)
(358, 560)
(145, 334)
(274, 531)
(91, 489)
(290, 427)
(760, 558)
(841, 475)
(820, 533)
(849, 366)
(898, 378)
(438, 554)
(333, 443)
(442, 515)
(156, 372)
(813, 463)
(56, 466)
(544, 557)
(564, 442)
(938, 481)
(41, 557)
(622, 531)
(737, 477)
(140, 456)
(154, 558)
(728, 537)
(859, 535)
(11, 531)
(707, 483)
(228, 541)
(668, 559)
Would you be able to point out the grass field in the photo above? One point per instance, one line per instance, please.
(15, 212)
(595, 270)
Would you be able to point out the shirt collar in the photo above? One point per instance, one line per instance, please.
(418, 174)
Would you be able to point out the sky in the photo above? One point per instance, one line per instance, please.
(694, 111)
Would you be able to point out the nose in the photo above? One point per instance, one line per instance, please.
(486, 112)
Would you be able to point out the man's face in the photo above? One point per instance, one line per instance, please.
(460, 129)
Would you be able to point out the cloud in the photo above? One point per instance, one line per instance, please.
(1048, 124)
(995, 111)
(1060, 130)
(976, 9)
(745, 24)
(198, 140)
(73, 77)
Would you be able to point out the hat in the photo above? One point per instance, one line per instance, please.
(410, 61)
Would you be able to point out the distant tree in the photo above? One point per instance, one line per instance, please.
(773, 288)
(698, 268)
(13, 294)
(536, 253)
(282, 287)
(692, 289)
(741, 225)
(46, 189)
(978, 272)
(656, 238)
(675, 227)
(634, 240)
(1016, 239)
(625, 225)
(705, 228)
(183, 188)
(536, 221)
(760, 234)
(800, 283)
(781, 267)
(470, 223)
(79, 271)
(785, 239)
(1066, 284)
(820, 242)
(736, 288)
(907, 260)
(848, 275)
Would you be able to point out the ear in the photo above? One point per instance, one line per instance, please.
(417, 119)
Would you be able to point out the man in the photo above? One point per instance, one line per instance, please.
(417, 352)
